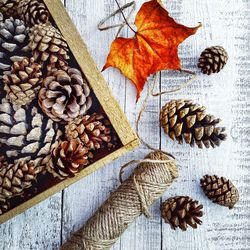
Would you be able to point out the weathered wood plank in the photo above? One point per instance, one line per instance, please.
(226, 95)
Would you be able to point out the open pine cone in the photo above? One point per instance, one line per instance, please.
(33, 12)
(186, 121)
(26, 135)
(13, 43)
(9, 8)
(181, 211)
(213, 60)
(68, 158)
(90, 130)
(48, 46)
(15, 178)
(220, 190)
(65, 95)
(23, 82)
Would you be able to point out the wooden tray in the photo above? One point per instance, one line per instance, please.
(110, 106)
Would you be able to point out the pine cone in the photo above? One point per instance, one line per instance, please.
(23, 82)
(68, 158)
(9, 7)
(181, 211)
(184, 120)
(33, 12)
(89, 130)
(48, 46)
(65, 95)
(13, 43)
(26, 135)
(213, 60)
(15, 178)
(220, 190)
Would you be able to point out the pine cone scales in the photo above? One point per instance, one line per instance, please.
(68, 159)
(65, 95)
(26, 135)
(181, 211)
(89, 130)
(33, 12)
(15, 178)
(23, 82)
(213, 60)
(185, 121)
(13, 43)
(9, 7)
(220, 190)
(48, 46)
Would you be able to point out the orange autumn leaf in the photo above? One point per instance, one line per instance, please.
(153, 48)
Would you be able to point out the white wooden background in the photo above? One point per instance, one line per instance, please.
(226, 95)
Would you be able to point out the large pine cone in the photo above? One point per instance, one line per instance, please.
(9, 8)
(26, 135)
(69, 158)
(48, 46)
(181, 211)
(65, 95)
(184, 120)
(33, 12)
(23, 82)
(91, 130)
(220, 190)
(213, 60)
(13, 43)
(15, 178)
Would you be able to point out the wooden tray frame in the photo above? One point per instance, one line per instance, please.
(101, 90)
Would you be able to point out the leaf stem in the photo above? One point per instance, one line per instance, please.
(125, 19)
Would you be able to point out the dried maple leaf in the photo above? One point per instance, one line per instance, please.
(153, 48)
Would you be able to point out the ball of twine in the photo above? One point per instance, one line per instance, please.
(148, 182)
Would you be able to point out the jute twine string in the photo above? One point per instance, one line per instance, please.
(133, 197)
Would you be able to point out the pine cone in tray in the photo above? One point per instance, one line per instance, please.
(213, 60)
(9, 7)
(65, 95)
(186, 121)
(181, 211)
(26, 135)
(23, 82)
(13, 43)
(69, 158)
(48, 46)
(220, 190)
(91, 130)
(15, 178)
(33, 12)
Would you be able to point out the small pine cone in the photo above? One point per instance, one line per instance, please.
(33, 12)
(68, 158)
(220, 190)
(185, 120)
(89, 130)
(213, 60)
(9, 8)
(15, 178)
(181, 211)
(13, 43)
(23, 82)
(65, 95)
(48, 46)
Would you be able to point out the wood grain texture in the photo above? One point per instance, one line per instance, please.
(226, 95)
